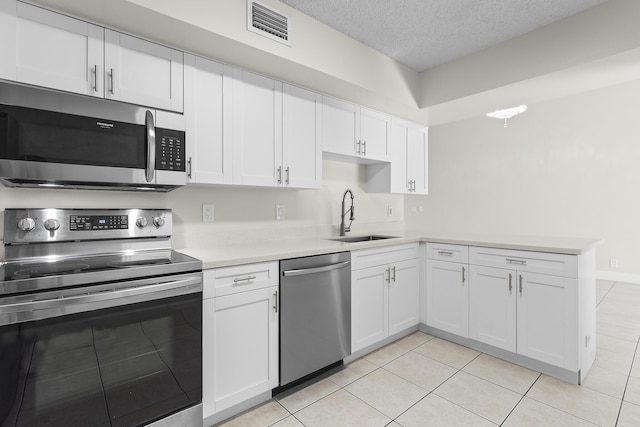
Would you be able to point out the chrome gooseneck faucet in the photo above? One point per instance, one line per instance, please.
(344, 229)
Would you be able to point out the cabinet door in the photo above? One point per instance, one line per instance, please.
(339, 131)
(257, 130)
(375, 134)
(301, 143)
(8, 37)
(492, 306)
(57, 52)
(547, 330)
(404, 291)
(399, 177)
(208, 135)
(369, 302)
(142, 72)
(417, 148)
(448, 297)
(242, 350)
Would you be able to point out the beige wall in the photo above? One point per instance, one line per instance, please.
(568, 167)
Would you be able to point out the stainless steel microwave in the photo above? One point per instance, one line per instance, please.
(53, 139)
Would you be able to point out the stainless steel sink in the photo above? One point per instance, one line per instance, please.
(370, 237)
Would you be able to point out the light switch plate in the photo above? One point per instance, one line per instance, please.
(279, 212)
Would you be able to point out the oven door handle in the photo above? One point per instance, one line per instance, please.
(85, 300)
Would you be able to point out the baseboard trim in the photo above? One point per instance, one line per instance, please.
(618, 277)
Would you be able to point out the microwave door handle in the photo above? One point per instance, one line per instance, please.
(151, 146)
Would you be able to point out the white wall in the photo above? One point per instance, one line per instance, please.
(568, 167)
(240, 212)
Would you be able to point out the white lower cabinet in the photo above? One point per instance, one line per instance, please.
(531, 314)
(384, 293)
(448, 288)
(240, 334)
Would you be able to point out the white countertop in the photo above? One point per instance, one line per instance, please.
(215, 255)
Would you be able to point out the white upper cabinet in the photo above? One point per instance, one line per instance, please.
(406, 173)
(142, 72)
(207, 89)
(417, 160)
(276, 133)
(8, 37)
(257, 129)
(301, 138)
(52, 50)
(354, 131)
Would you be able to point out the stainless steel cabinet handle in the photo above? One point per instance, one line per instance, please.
(520, 284)
(189, 168)
(151, 146)
(445, 253)
(516, 261)
(95, 78)
(394, 273)
(359, 144)
(275, 301)
(364, 151)
(111, 79)
(243, 279)
(286, 172)
(510, 284)
(388, 278)
(322, 269)
(279, 174)
(463, 278)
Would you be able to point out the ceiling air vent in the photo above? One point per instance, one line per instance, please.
(268, 22)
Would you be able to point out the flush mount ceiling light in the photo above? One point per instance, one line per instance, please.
(508, 113)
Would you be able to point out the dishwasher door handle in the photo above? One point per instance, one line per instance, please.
(324, 268)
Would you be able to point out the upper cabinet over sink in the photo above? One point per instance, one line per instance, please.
(51, 50)
(355, 131)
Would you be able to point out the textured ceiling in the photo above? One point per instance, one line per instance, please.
(426, 33)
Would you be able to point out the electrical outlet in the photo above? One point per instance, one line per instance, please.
(614, 263)
(279, 212)
(389, 210)
(207, 212)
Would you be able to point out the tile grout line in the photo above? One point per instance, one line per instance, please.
(627, 383)
(605, 295)
(521, 399)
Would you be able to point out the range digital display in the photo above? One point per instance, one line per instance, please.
(98, 222)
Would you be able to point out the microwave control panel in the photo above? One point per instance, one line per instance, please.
(170, 150)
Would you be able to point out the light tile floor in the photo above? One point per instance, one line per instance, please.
(424, 381)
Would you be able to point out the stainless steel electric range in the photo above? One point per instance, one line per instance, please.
(100, 320)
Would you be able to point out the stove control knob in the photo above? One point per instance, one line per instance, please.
(52, 224)
(158, 221)
(26, 224)
(141, 222)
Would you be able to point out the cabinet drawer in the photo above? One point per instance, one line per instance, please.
(381, 256)
(241, 278)
(447, 252)
(535, 262)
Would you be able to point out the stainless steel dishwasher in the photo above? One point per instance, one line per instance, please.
(315, 314)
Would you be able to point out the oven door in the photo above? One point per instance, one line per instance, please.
(128, 353)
